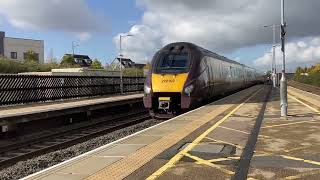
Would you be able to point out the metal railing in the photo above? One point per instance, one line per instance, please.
(20, 89)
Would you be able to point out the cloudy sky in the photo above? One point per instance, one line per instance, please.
(233, 28)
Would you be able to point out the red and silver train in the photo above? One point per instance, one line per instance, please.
(184, 75)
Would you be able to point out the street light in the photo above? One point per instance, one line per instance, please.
(273, 62)
(283, 81)
(73, 47)
(120, 57)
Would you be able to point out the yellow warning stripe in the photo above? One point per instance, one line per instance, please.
(164, 98)
(250, 178)
(299, 176)
(300, 159)
(234, 129)
(224, 142)
(286, 124)
(313, 109)
(205, 162)
(295, 149)
(180, 154)
(223, 159)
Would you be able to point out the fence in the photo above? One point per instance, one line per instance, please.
(19, 89)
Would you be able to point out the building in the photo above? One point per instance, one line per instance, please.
(126, 63)
(16, 48)
(82, 60)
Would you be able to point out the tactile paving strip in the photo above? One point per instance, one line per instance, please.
(126, 166)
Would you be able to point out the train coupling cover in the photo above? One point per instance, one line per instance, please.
(164, 103)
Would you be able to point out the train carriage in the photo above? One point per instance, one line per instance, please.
(184, 75)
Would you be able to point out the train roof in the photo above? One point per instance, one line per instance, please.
(205, 51)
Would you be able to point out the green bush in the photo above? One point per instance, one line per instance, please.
(312, 78)
(67, 60)
(309, 75)
(96, 64)
(14, 67)
(133, 72)
(8, 66)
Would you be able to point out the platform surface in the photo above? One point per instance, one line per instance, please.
(37, 108)
(289, 148)
(121, 158)
(207, 143)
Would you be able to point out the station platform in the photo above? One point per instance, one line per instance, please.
(215, 141)
(30, 112)
(289, 148)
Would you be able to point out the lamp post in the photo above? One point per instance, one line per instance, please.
(273, 62)
(120, 58)
(74, 45)
(283, 81)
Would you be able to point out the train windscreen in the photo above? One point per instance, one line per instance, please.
(173, 63)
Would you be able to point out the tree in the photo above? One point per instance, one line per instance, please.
(315, 69)
(31, 56)
(67, 60)
(298, 71)
(96, 64)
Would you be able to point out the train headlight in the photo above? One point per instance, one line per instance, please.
(189, 89)
(147, 89)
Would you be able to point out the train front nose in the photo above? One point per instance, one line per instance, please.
(167, 91)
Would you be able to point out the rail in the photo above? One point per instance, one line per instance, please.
(21, 89)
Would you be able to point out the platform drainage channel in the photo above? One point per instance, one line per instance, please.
(209, 151)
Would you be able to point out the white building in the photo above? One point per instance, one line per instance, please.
(16, 48)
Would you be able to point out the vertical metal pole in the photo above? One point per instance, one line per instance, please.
(121, 82)
(283, 81)
(274, 79)
(72, 49)
(137, 78)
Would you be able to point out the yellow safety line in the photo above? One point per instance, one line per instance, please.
(237, 130)
(250, 178)
(264, 136)
(286, 124)
(180, 154)
(234, 129)
(295, 149)
(223, 159)
(313, 109)
(300, 159)
(299, 176)
(224, 142)
(205, 162)
(263, 154)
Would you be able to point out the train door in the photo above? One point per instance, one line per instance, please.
(211, 76)
(205, 77)
(231, 76)
(218, 77)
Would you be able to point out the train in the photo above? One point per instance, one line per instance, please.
(183, 76)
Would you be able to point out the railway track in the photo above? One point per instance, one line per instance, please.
(305, 87)
(15, 152)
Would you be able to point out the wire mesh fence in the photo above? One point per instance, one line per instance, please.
(20, 89)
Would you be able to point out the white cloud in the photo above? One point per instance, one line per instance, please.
(297, 54)
(141, 45)
(221, 26)
(84, 36)
(71, 16)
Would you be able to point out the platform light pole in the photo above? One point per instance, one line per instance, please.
(283, 81)
(120, 59)
(74, 45)
(273, 62)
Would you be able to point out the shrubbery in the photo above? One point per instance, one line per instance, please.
(133, 72)
(13, 67)
(309, 75)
